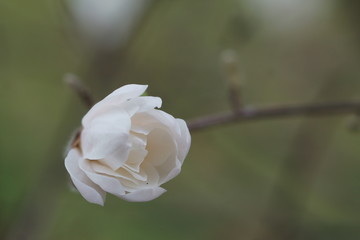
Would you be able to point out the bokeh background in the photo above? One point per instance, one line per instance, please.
(272, 179)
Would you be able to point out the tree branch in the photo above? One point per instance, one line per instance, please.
(251, 113)
(80, 89)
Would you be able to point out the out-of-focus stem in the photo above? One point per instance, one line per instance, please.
(233, 79)
(80, 89)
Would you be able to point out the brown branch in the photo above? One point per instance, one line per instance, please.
(80, 89)
(251, 113)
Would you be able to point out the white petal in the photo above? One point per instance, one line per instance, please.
(184, 140)
(114, 99)
(138, 141)
(145, 122)
(141, 175)
(141, 104)
(118, 157)
(173, 172)
(137, 153)
(124, 174)
(109, 184)
(136, 157)
(128, 91)
(89, 190)
(106, 137)
(143, 195)
(160, 147)
(119, 173)
(152, 175)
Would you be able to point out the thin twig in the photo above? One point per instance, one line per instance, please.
(80, 89)
(250, 113)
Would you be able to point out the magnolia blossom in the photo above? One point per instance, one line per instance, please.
(127, 148)
(106, 23)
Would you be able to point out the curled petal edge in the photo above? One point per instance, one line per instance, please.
(143, 195)
(173, 173)
(117, 97)
(108, 184)
(89, 190)
(184, 140)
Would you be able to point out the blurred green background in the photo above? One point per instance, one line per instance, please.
(274, 179)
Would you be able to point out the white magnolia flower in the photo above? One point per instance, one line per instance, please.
(107, 23)
(127, 148)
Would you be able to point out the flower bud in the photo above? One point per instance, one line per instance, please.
(127, 148)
